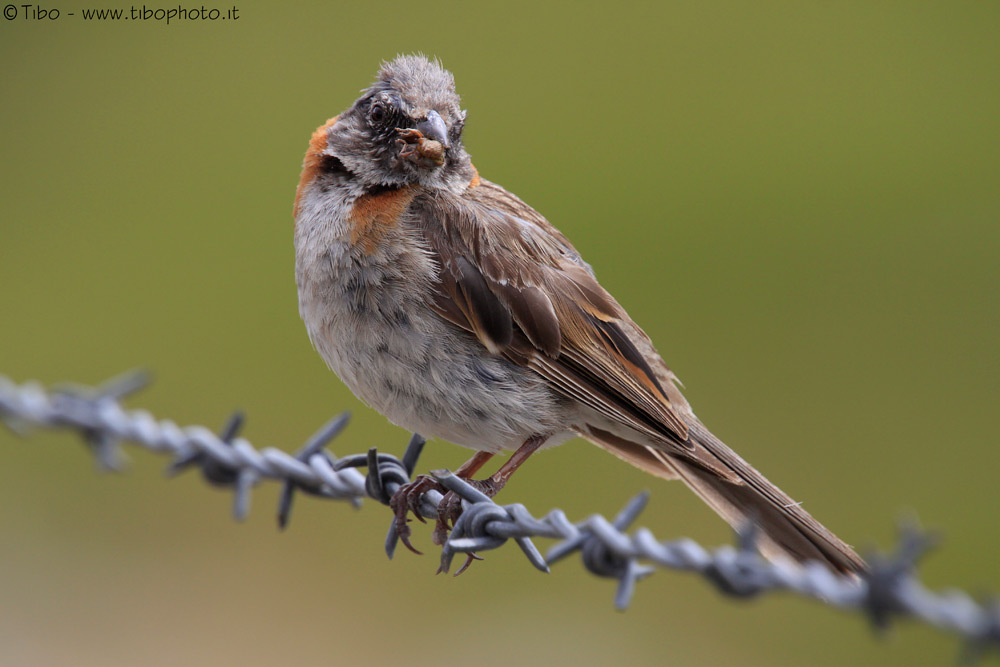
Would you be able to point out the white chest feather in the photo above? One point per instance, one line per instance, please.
(366, 306)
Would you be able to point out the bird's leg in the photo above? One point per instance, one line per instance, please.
(450, 507)
(472, 466)
(499, 479)
(407, 498)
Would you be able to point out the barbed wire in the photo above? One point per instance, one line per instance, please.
(890, 590)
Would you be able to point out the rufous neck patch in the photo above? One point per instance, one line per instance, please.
(375, 214)
(474, 182)
(312, 161)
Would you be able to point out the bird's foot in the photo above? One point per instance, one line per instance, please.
(407, 500)
(469, 558)
(450, 509)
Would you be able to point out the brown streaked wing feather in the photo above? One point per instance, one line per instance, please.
(567, 326)
(646, 458)
(499, 256)
(488, 316)
(533, 311)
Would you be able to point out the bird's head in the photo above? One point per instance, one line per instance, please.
(406, 129)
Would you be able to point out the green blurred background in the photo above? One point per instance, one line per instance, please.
(798, 201)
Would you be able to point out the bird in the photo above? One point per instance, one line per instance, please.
(456, 310)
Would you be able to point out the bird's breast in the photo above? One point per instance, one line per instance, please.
(365, 282)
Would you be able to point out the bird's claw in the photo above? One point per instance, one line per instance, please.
(406, 500)
(469, 558)
(449, 509)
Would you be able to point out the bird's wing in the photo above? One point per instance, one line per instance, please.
(514, 281)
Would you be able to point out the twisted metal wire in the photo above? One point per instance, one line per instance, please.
(891, 590)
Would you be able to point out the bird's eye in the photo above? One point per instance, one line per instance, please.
(377, 112)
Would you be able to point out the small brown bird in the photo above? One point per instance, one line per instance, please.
(457, 311)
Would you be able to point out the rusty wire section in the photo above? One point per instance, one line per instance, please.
(892, 590)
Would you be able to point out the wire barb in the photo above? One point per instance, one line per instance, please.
(891, 590)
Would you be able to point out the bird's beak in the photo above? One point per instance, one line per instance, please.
(434, 128)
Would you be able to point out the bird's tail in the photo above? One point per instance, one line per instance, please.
(788, 531)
